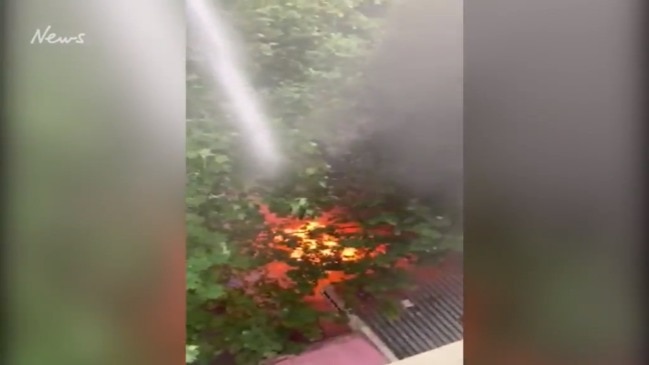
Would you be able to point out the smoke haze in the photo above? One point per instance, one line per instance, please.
(413, 98)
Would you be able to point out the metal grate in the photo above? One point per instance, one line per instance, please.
(431, 317)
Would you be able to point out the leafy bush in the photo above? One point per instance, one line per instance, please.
(306, 53)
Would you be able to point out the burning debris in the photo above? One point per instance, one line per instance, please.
(317, 241)
(325, 247)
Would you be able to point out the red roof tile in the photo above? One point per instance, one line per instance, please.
(348, 350)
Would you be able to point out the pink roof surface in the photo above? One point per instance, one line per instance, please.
(348, 350)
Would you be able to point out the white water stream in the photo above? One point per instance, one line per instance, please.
(216, 44)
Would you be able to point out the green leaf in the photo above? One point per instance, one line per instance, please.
(205, 152)
(221, 159)
(191, 353)
(213, 291)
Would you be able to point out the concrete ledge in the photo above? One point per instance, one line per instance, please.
(357, 324)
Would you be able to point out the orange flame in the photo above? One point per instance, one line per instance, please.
(325, 246)
(314, 247)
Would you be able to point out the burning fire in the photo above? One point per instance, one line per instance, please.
(326, 246)
(313, 246)
(322, 244)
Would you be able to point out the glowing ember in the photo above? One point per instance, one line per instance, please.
(325, 246)
(313, 245)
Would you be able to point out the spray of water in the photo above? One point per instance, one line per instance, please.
(216, 45)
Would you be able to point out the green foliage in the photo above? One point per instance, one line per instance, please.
(191, 353)
(304, 54)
